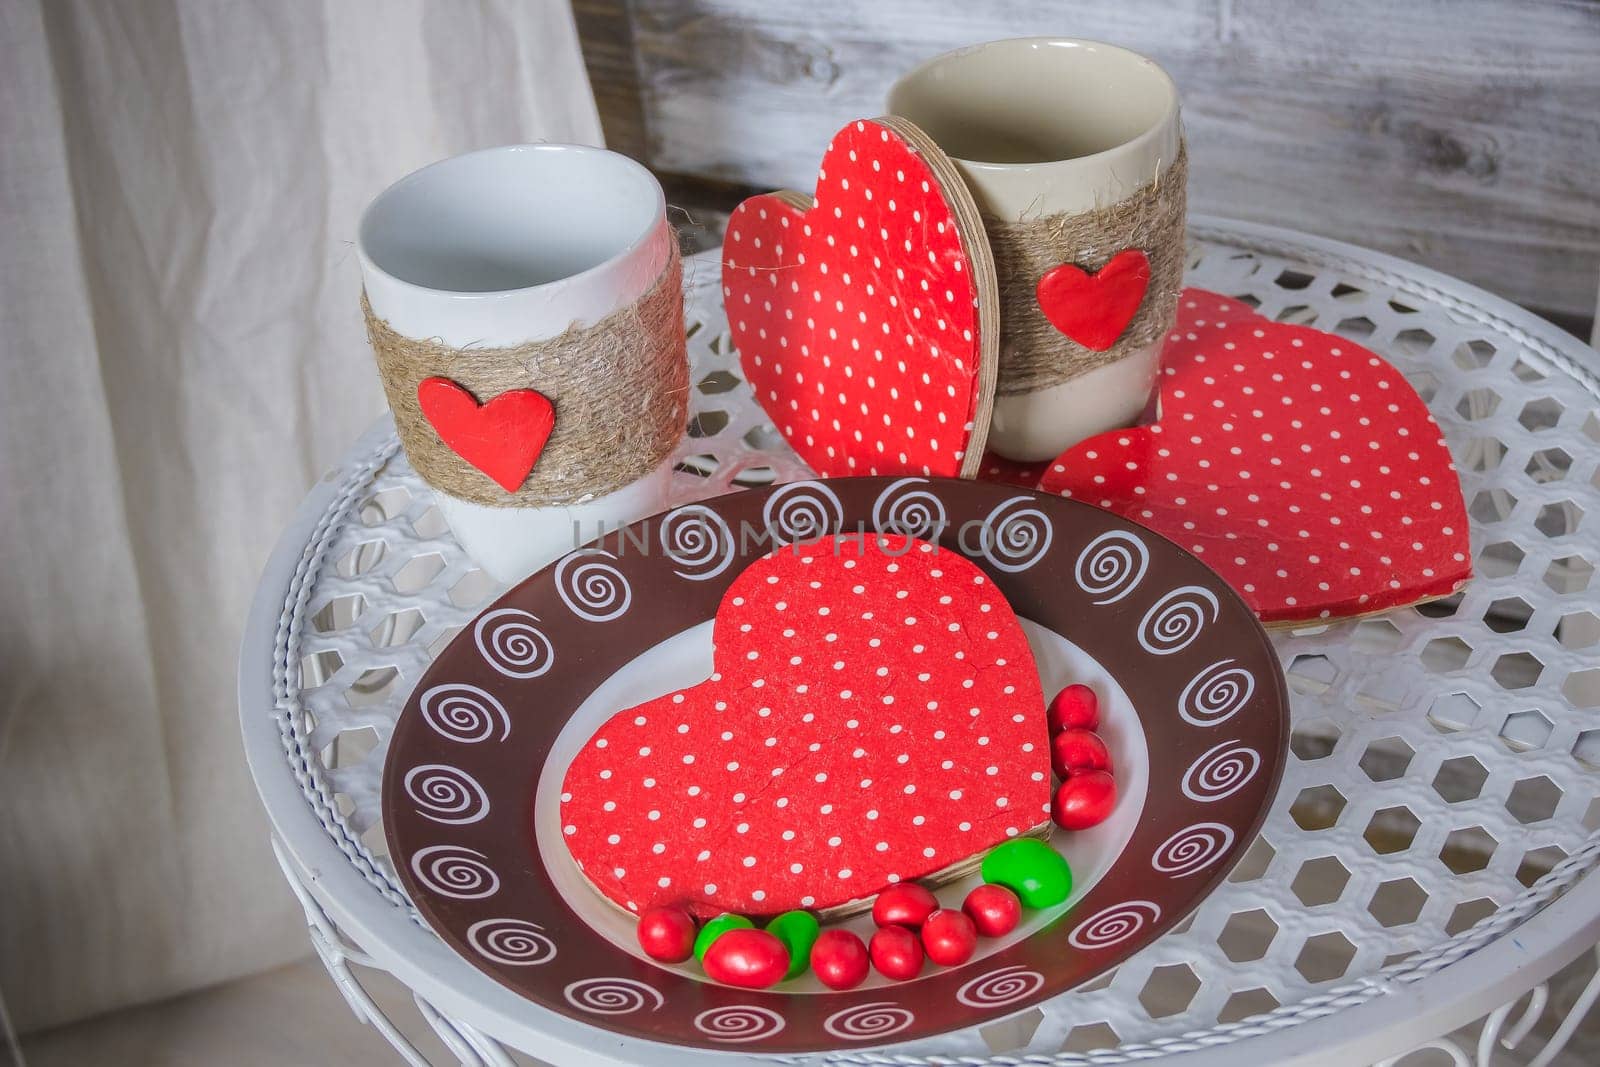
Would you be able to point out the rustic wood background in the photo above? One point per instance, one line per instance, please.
(1463, 134)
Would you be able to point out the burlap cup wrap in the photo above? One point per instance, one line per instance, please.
(1034, 354)
(620, 389)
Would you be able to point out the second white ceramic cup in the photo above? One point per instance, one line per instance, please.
(1041, 126)
(509, 245)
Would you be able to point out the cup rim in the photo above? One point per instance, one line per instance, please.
(1153, 132)
(369, 265)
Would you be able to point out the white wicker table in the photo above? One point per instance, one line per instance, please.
(1428, 860)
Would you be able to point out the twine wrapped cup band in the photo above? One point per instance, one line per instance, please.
(620, 390)
(1034, 355)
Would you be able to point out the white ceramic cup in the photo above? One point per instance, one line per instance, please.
(505, 246)
(1039, 126)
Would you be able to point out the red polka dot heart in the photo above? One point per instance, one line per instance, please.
(1300, 466)
(874, 717)
(866, 321)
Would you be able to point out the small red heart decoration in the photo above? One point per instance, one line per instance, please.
(875, 716)
(502, 438)
(866, 321)
(1094, 309)
(1300, 466)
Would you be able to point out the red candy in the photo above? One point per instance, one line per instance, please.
(896, 953)
(1076, 749)
(753, 959)
(905, 904)
(949, 937)
(1074, 708)
(839, 959)
(993, 909)
(1084, 800)
(667, 934)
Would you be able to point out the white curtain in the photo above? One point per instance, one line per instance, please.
(179, 187)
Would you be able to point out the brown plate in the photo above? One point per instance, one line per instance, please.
(1194, 712)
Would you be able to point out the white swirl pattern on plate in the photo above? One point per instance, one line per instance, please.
(1016, 535)
(613, 996)
(999, 988)
(903, 508)
(698, 540)
(1215, 694)
(1114, 925)
(737, 1023)
(446, 794)
(868, 1022)
(594, 590)
(1192, 849)
(1112, 566)
(801, 511)
(511, 644)
(460, 712)
(454, 871)
(1174, 621)
(513, 942)
(700, 546)
(1221, 771)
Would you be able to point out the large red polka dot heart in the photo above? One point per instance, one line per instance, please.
(875, 717)
(867, 320)
(1300, 466)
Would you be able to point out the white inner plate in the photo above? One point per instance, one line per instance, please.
(684, 660)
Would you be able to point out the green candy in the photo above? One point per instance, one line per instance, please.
(715, 929)
(1030, 868)
(798, 931)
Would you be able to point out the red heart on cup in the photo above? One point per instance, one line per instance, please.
(1300, 466)
(502, 438)
(874, 716)
(1094, 308)
(858, 316)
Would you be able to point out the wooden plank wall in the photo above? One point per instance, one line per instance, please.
(1464, 134)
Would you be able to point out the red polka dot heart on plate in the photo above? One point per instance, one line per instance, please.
(875, 716)
(1302, 467)
(867, 320)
